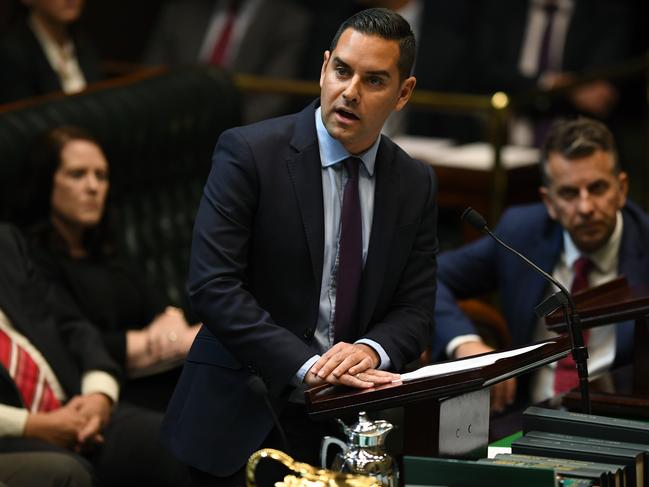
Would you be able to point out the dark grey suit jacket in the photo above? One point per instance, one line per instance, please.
(271, 46)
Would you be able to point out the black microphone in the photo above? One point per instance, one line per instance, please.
(258, 387)
(562, 298)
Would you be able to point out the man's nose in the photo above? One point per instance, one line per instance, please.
(92, 182)
(585, 203)
(351, 92)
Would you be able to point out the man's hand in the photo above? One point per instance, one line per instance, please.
(345, 358)
(362, 380)
(352, 365)
(59, 427)
(94, 408)
(596, 98)
(503, 393)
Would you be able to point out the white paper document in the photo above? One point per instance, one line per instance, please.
(466, 364)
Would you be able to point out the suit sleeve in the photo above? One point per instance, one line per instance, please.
(404, 330)
(468, 272)
(219, 288)
(16, 78)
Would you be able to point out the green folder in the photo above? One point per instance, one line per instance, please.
(466, 473)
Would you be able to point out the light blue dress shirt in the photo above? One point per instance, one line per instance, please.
(334, 178)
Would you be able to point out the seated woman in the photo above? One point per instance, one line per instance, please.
(73, 244)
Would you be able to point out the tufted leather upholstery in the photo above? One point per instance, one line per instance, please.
(158, 132)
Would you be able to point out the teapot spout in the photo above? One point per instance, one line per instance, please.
(346, 430)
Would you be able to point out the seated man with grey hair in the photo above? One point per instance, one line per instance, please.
(584, 233)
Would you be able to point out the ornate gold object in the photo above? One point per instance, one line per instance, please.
(307, 476)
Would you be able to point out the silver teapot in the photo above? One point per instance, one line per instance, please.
(364, 453)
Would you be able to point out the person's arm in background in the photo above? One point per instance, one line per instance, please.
(467, 272)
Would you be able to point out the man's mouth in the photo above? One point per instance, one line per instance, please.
(346, 114)
(589, 227)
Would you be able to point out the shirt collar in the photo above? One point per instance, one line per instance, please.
(53, 51)
(332, 151)
(605, 258)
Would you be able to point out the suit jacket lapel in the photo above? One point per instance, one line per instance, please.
(386, 196)
(545, 254)
(305, 172)
(632, 260)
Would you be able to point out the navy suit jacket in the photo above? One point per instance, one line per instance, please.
(483, 266)
(49, 319)
(255, 275)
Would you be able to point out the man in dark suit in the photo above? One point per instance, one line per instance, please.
(540, 45)
(271, 257)
(58, 385)
(584, 213)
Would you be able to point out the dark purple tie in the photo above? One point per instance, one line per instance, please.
(550, 9)
(542, 126)
(350, 257)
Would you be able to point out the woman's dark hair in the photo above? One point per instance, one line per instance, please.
(45, 160)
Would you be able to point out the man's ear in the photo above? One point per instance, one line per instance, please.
(544, 192)
(325, 61)
(407, 87)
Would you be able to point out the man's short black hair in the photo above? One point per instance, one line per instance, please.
(389, 25)
(577, 138)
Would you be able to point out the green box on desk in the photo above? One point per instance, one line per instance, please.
(467, 473)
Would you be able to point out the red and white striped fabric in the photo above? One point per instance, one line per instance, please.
(35, 390)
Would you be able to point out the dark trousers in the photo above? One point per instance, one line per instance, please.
(131, 454)
(42, 469)
(304, 437)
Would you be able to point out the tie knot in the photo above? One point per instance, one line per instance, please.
(352, 166)
(550, 7)
(582, 266)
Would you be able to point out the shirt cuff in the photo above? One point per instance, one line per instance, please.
(299, 377)
(12, 420)
(460, 340)
(385, 361)
(100, 381)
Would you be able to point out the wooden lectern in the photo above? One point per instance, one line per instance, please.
(615, 302)
(446, 414)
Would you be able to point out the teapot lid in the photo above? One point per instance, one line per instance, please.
(367, 432)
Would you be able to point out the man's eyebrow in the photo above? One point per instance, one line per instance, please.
(340, 62)
(379, 72)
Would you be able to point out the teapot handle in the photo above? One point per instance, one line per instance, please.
(326, 442)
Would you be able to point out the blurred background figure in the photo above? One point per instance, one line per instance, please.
(44, 51)
(73, 244)
(540, 45)
(260, 37)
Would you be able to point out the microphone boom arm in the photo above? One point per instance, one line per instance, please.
(561, 298)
